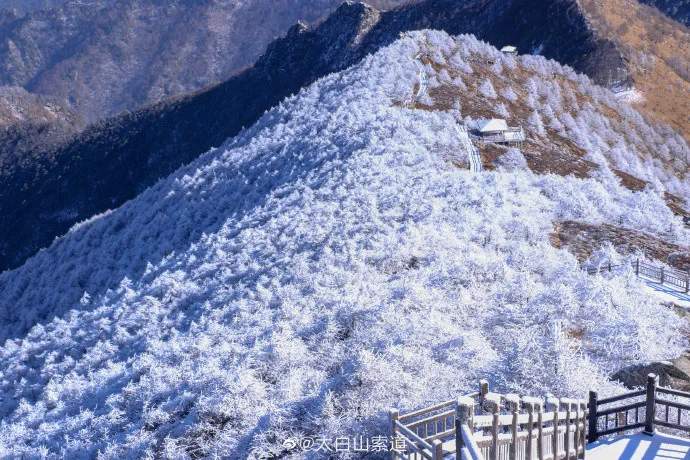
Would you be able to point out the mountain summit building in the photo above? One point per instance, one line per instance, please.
(496, 130)
(511, 50)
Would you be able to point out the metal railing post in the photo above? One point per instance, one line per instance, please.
(592, 435)
(650, 412)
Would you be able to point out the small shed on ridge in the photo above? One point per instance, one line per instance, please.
(509, 50)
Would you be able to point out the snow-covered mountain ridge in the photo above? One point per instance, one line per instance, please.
(114, 160)
(329, 262)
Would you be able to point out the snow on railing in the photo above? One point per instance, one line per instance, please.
(492, 426)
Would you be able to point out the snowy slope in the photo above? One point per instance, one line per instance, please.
(328, 263)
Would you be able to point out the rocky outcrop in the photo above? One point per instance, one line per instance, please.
(669, 375)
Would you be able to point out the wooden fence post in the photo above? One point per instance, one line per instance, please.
(530, 404)
(637, 267)
(492, 404)
(513, 403)
(577, 435)
(540, 431)
(592, 435)
(650, 412)
(662, 275)
(394, 418)
(463, 414)
(568, 415)
(687, 283)
(483, 390)
(609, 266)
(552, 404)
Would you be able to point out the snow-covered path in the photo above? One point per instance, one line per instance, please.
(473, 155)
(423, 81)
(640, 447)
(667, 293)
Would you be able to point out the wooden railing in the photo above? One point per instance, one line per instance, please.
(492, 426)
(652, 403)
(662, 275)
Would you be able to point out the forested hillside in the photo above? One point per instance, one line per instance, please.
(658, 54)
(114, 160)
(676, 9)
(339, 258)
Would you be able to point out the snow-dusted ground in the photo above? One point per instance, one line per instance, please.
(640, 447)
(327, 264)
(668, 293)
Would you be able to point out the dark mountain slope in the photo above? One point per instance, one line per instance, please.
(30, 122)
(114, 160)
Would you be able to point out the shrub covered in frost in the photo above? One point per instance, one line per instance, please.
(326, 264)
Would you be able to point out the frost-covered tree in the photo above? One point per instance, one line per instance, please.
(502, 110)
(324, 265)
(512, 160)
(487, 89)
(508, 94)
(535, 123)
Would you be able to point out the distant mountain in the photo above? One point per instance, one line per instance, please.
(676, 9)
(339, 258)
(31, 123)
(18, 105)
(105, 56)
(30, 5)
(116, 159)
(658, 56)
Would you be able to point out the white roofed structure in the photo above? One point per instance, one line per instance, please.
(494, 125)
(509, 50)
(497, 130)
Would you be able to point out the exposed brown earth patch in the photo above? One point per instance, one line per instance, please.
(630, 182)
(584, 239)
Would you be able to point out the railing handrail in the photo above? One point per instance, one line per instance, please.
(415, 441)
(650, 410)
(470, 446)
(478, 435)
(427, 410)
(671, 391)
(632, 394)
